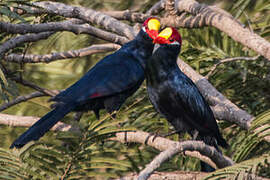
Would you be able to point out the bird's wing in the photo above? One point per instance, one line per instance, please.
(115, 73)
(188, 100)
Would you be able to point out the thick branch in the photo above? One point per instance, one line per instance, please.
(223, 108)
(23, 28)
(181, 175)
(88, 15)
(14, 42)
(27, 121)
(20, 99)
(163, 144)
(128, 15)
(62, 26)
(47, 58)
(157, 161)
(206, 15)
(156, 8)
(138, 136)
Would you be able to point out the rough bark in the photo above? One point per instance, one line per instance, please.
(47, 58)
(224, 22)
(27, 121)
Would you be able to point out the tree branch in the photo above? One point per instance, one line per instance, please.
(201, 15)
(23, 28)
(204, 152)
(62, 26)
(230, 60)
(88, 15)
(36, 87)
(47, 58)
(20, 99)
(180, 175)
(128, 15)
(156, 162)
(14, 42)
(156, 8)
(204, 15)
(27, 121)
(223, 108)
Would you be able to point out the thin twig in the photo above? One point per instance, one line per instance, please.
(230, 60)
(20, 99)
(66, 171)
(36, 87)
(14, 42)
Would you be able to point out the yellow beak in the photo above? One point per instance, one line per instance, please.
(153, 24)
(166, 33)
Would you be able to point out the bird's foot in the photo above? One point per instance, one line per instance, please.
(158, 135)
(148, 137)
(172, 133)
(194, 135)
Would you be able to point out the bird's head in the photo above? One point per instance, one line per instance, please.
(169, 36)
(151, 27)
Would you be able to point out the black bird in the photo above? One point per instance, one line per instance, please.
(105, 86)
(176, 97)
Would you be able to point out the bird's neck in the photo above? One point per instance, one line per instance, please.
(165, 58)
(142, 47)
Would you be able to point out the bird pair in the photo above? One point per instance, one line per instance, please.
(117, 76)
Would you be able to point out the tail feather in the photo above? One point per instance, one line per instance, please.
(222, 142)
(206, 167)
(42, 126)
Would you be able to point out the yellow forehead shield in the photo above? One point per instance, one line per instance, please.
(153, 24)
(166, 33)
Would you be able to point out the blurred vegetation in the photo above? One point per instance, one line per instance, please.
(91, 154)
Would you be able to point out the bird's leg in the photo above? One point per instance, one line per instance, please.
(194, 134)
(96, 111)
(159, 135)
(172, 133)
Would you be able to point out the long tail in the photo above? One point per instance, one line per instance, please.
(212, 142)
(42, 126)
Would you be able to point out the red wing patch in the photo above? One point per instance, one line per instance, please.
(95, 95)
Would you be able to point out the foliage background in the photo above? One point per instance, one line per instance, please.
(245, 83)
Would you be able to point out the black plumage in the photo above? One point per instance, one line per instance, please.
(105, 86)
(176, 97)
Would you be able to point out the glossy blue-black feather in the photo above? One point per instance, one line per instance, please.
(107, 85)
(177, 98)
